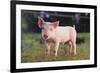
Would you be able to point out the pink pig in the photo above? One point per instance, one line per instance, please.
(52, 32)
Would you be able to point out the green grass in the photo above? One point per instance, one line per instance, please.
(33, 49)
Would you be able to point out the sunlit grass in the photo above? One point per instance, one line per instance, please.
(33, 49)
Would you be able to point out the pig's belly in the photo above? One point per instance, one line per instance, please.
(64, 39)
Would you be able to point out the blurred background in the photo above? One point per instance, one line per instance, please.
(30, 19)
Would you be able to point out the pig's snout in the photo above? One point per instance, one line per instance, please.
(45, 36)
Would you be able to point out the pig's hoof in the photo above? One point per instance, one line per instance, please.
(74, 54)
(56, 55)
(48, 54)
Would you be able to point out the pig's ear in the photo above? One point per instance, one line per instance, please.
(40, 22)
(56, 24)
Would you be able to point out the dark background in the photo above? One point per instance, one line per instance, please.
(29, 19)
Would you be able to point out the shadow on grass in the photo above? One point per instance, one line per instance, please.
(80, 40)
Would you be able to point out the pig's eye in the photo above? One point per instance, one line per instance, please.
(51, 29)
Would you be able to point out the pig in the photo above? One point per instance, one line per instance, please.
(53, 33)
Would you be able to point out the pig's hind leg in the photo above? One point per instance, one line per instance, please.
(69, 51)
(74, 48)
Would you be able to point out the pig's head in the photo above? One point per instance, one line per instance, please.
(48, 28)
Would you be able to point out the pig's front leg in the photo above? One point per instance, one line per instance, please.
(48, 45)
(56, 48)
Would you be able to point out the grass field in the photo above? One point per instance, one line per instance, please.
(33, 49)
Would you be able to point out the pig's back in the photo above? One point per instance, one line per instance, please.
(64, 30)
